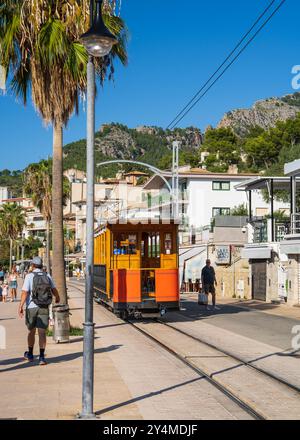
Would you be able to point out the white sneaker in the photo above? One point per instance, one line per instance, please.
(208, 308)
(216, 308)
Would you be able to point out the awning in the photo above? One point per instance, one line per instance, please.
(292, 169)
(256, 252)
(291, 246)
(191, 263)
(187, 254)
(259, 183)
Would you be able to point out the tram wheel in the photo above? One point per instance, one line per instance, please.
(124, 315)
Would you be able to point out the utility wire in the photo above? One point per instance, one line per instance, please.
(224, 62)
(183, 113)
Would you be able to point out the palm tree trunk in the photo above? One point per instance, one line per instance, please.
(58, 263)
(10, 253)
(48, 265)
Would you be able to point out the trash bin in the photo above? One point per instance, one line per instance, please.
(61, 329)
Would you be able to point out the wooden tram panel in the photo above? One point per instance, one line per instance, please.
(136, 266)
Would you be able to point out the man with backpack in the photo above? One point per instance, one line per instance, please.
(37, 292)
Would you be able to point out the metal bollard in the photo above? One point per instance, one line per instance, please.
(61, 329)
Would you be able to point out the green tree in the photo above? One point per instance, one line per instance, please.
(240, 210)
(270, 147)
(42, 54)
(37, 179)
(261, 152)
(224, 149)
(12, 223)
(31, 247)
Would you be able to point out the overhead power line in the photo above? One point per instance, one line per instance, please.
(225, 61)
(192, 103)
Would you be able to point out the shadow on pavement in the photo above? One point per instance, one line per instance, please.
(147, 396)
(98, 327)
(192, 311)
(52, 360)
(80, 339)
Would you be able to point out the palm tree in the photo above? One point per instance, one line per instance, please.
(41, 52)
(12, 222)
(37, 179)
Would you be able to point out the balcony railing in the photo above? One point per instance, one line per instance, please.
(163, 199)
(262, 231)
(260, 234)
(295, 227)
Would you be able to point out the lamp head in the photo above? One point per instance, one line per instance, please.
(98, 40)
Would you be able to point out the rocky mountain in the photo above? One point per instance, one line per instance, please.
(145, 144)
(264, 113)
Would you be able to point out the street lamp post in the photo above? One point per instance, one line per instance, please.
(98, 42)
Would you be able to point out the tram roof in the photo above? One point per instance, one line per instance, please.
(138, 222)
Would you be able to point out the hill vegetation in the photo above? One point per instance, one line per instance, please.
(151, 145)
(13, 180)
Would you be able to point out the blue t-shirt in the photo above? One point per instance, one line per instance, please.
(27, 287)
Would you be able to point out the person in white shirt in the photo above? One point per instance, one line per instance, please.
(37, 315)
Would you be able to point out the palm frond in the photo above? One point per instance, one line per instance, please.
(20, 82)
(52, 43)
(40, 47)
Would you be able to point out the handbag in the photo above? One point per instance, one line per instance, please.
(202, 299)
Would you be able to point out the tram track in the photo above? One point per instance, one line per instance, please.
(248, 364)
(228, 391)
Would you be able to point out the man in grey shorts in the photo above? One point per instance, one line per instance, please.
(36, 317)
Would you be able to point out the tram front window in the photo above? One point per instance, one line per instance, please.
(150, 250)
(125, 244)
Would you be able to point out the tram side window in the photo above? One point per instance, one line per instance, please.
(125, 244)
(168, 244)
(154, 245)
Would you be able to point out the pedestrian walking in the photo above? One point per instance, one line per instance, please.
(2, 274)
(37, 293)
(13, 283)
(5, 290)
(22, 269)
(209, 281)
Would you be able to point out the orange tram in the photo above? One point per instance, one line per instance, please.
(136, 268)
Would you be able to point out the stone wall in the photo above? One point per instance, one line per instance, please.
(293, 280)
(234, 280)
(272, 279)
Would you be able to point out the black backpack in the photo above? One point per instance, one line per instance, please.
(41, 289)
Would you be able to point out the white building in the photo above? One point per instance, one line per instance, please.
(5, 194)
(120, 197)
(35, 223)
(273, 247)
(205, 195)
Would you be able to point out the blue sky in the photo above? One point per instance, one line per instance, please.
(174, 47)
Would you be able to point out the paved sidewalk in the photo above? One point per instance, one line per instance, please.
(30, 391)
(134, 378)
(282, 310)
